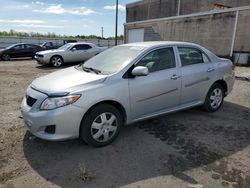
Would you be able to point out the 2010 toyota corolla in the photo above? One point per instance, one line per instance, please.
(122, 85)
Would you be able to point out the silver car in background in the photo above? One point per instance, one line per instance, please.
(71, 52)
(125, 84)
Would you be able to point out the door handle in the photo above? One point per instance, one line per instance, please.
(210, 69)
(175, 77)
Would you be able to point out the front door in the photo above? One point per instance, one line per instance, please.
(17, 51)
(160, 89)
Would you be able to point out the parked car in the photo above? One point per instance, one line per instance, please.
(71, 52)
(50, 46)
(19, 50)
(122, 85)
(69, 41)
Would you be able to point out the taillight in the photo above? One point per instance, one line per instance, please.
(233, 69)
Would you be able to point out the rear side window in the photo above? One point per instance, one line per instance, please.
(158, 60)
(190, 56)
(30, 46)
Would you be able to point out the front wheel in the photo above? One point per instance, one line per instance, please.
(101, 125)
(56, 61)
(214, 98)
(6, 57)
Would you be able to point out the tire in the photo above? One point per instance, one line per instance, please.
(6, 57)
(101, 125)
(214, 98)
(56, 61)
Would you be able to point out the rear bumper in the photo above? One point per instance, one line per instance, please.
(230, 84)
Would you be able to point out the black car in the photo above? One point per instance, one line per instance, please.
(50, 46)
(19, 50)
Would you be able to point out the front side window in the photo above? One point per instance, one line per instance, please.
(82, 47)
(18, 47)
(190, 56)
(158, 60)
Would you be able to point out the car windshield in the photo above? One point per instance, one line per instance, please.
(114, 59)
(11, 46)
(65, 47)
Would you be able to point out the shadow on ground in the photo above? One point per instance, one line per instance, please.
(162, 146)
(50, 67)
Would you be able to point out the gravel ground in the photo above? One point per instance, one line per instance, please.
(191, 148)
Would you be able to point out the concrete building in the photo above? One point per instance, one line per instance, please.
(223, 26)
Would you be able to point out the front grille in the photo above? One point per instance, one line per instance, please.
(30, 101)
(39, 55)
(50, 129)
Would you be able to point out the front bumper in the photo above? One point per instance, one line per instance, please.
(66, 119)
(41, 60)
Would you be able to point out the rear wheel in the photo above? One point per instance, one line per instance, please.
(6, 57)
(56, 61)
(101, 125)
(214, 98)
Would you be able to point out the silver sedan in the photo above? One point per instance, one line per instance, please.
(122, 85)
(71, 52)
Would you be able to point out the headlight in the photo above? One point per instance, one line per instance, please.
(56, 102)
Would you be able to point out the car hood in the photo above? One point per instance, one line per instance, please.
(50, 51)
(66, 81)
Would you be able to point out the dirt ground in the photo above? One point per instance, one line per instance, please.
(191, 148)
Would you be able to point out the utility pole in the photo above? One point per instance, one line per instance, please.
(116, 21)
(102, 32)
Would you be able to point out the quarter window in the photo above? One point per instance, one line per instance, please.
(158, 60)
(190, 56)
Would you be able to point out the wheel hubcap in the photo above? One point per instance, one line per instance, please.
(104, 127)
(216, 98)
(6, 57)
(57, 61)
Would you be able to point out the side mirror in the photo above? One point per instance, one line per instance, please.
(73, 49)
(140, 71)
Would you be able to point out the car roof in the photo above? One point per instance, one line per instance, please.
(160, 43)
(25, 43)
(80, 43)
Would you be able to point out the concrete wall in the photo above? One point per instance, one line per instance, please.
(194, 6)
(242, 39)
(214, 31)
(151, 9)
(7, 41)
(211, 31)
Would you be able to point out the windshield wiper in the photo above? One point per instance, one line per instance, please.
(90, 69)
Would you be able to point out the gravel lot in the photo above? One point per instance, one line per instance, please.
(191, 148)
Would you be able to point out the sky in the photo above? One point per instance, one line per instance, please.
(65, 17)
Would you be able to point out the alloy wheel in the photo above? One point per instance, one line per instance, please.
(56, 61)
(6, 57)
(216, 98)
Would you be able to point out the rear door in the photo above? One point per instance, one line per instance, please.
(160, 89)
(197, 74)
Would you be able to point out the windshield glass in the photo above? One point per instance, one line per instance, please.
(9, 47)
(65, 47)
(114, 59)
